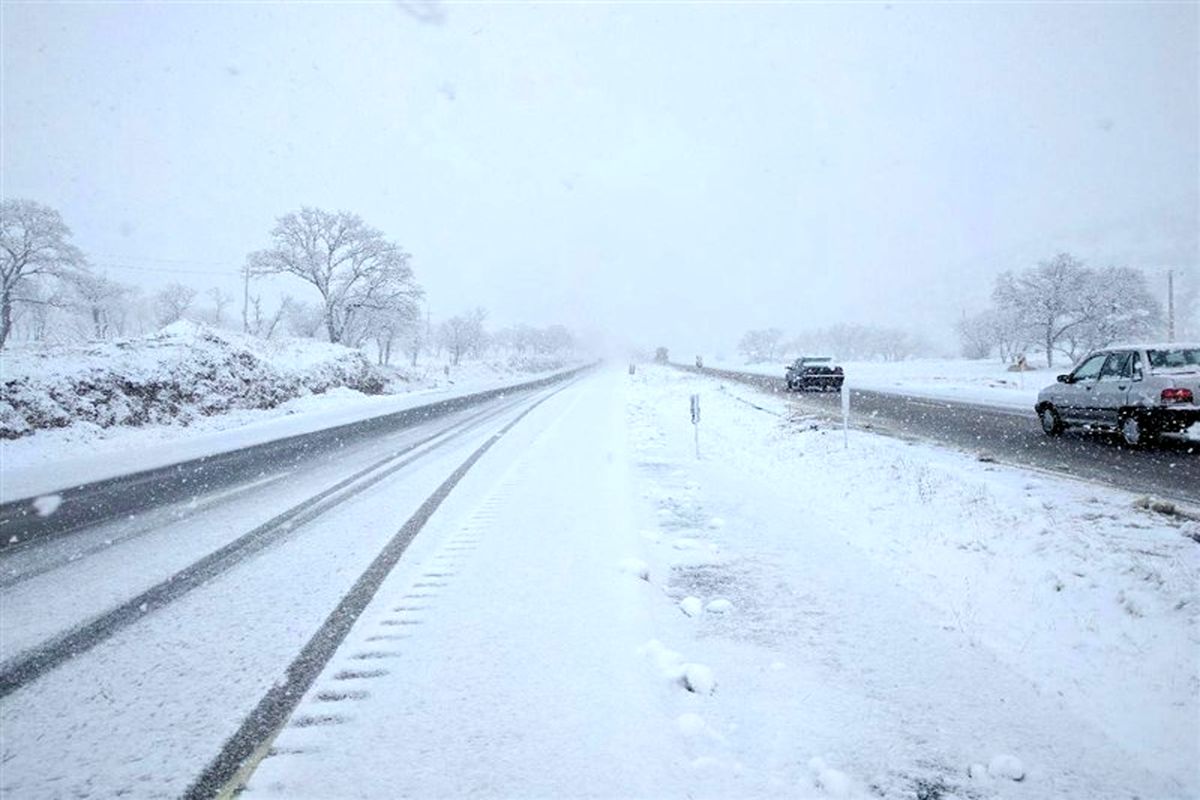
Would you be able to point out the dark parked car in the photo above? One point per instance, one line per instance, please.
(814, 374)
(1139, 391)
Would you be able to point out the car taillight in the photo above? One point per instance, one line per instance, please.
(1177, 395)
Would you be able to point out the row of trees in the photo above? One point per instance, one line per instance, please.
(1061, 306)
(848, 341)
(363, 288)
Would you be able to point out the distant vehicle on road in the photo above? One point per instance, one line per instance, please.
(1140, 391)
(814, 374)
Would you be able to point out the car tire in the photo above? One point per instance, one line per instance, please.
(1135, 430)
(1052, 424)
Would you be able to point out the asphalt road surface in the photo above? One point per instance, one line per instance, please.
(1169, 470)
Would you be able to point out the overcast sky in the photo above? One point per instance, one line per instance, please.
(676, 173)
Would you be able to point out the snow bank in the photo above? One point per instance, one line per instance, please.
(925, 623)
(183, 373)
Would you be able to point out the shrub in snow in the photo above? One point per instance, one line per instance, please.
(183, 372)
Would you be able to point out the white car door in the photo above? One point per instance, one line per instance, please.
(1078, 395)
(1112, 388)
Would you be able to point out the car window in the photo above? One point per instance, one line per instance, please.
(1174, 359)
(1116, 367)
(1090, 369)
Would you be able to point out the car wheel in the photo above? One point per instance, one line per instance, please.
(1052, 424)
(1135, 432)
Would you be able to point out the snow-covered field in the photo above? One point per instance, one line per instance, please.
(785, 616)
(244, 391)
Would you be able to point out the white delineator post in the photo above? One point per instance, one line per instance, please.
(845, 416)
(696, 422)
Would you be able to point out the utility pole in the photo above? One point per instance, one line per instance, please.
(1170, 306)
(246, 299)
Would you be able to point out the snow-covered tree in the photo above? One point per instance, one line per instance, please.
(761, 345)
(463, 334)
(1069, 308)
(33, 249)
(106, 304)
(353, 267)
(172, 302)
(1046, 299)
(1116, 305)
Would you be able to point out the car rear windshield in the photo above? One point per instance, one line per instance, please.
(1183, 358)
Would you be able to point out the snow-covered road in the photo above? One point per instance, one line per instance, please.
(593, 612)
(145, 703)
(601, 615)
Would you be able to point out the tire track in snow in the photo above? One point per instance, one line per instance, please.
(229, 770)
(25, 668)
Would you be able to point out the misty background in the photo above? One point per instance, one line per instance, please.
(664, 174)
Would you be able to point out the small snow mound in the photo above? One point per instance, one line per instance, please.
(716, 522)
(692, 606)
(1005, 766)
(47, 504)
(719, 606)
(666, 660)
(636, 567)
(698, 678)
(977, 772)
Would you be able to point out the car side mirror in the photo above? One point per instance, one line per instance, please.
(1065, 379)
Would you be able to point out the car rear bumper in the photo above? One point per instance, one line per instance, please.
(827, 382)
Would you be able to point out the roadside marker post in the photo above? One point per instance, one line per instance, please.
(845, 416)
(696, 422)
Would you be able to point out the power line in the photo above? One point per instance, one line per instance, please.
(159, 259)
(168, 270)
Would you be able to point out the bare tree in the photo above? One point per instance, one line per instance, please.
(172, 302)
(220, 301)
(263, 325)
(33, 247)
(351, 265)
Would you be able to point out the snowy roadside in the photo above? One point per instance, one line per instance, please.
(51, 459)
(983, 382)
(892, 618)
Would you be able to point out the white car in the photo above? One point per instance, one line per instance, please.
(1140, 391)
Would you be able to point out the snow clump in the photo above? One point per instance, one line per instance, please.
(1005, 766)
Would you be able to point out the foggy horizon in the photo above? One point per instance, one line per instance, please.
(667, 174)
